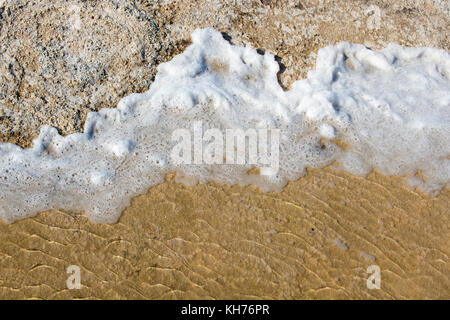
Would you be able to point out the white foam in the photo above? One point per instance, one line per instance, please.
(391, 106)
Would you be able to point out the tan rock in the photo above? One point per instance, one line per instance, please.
(296, 29)
(62, 59)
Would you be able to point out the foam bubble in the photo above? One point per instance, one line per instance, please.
(392, 107)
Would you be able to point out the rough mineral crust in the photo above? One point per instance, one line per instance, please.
(296, 29)
(61, 59)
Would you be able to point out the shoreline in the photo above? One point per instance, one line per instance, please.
(179, 178)
(317, 237)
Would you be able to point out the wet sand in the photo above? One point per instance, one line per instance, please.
(314, 240)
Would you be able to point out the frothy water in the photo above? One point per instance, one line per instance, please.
(392, 108)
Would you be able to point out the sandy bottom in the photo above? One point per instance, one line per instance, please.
(313, 240)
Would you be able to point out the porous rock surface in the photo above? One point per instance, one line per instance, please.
(61, 59)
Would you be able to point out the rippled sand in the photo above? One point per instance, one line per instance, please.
(313, 240)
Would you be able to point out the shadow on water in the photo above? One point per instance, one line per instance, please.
(262, 51)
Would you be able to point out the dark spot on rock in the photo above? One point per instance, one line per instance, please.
(300, 6)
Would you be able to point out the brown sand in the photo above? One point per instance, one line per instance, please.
(313, 240)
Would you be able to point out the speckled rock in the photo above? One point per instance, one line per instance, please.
(296, 29)
(62, 59)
